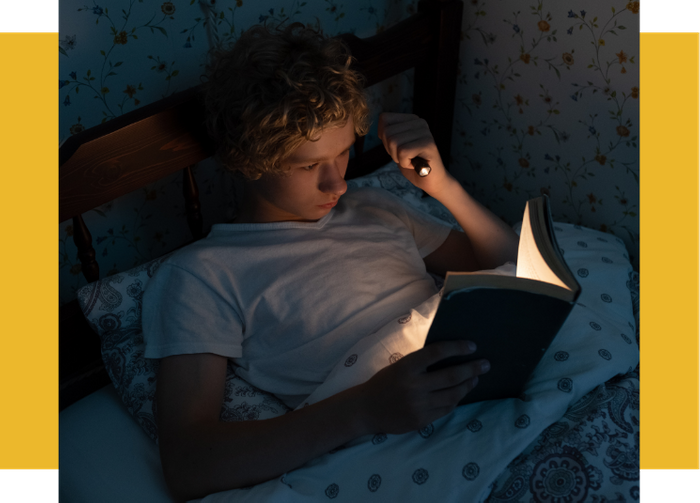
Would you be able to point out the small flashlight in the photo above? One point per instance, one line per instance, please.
(421, 166)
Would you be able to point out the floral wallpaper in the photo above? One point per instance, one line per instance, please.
(547, 102)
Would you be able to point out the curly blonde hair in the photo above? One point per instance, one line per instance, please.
(274, 90)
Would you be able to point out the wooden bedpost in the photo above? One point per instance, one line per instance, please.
(193, 208)
(435, 78)
(156, 140)
(86, 253)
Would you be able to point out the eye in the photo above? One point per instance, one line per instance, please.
(309, 167)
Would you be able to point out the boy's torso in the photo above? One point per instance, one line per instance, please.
(305, 292)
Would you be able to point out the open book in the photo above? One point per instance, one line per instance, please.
(512, 319)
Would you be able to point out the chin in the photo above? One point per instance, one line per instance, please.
(322, 212)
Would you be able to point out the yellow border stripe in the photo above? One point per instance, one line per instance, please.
(669, 241)
(669, 250)
(29, 206)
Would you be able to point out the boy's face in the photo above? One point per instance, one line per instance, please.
(314, 183)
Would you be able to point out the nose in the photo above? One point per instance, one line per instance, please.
(332, 179)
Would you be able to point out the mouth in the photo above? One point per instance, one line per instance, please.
(328, 206)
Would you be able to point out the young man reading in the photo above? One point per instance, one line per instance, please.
(304, 272)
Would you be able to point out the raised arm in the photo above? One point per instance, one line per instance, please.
(202, 455)
(487, 241)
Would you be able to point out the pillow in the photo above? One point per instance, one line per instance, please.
(597, 339)
(112, 307)
(390, 178)
(602, 247)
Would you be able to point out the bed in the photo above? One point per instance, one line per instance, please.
(574, 438)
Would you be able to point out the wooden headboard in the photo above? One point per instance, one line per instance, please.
(138, 148)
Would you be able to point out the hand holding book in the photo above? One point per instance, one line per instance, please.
(512, 320)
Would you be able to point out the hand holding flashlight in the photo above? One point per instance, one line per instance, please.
(421, 166)
(409, 142)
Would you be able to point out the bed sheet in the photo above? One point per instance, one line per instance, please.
(104, 455)
(589, 452)
(574, 439)
(460, 456)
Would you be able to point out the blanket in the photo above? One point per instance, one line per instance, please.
(458, 457)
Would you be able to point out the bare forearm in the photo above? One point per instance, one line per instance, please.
(220, 456)
(492, 240)
(201, 455)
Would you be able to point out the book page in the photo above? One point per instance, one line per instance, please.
(531, 265)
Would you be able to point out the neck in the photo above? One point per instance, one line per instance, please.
(246, 210)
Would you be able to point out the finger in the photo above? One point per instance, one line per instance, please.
(451, 397)
(390, 119)
(420, 147)
(388, 130)
(455, 375)
(437, 351)
(404, 146)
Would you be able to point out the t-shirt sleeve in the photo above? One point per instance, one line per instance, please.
(428, 232)
(183, 314)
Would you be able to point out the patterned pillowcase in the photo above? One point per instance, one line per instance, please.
(597, 338)
(583, 242)
(112, 307)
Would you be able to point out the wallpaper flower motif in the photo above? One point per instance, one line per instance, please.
(547, 102)
(141, 53)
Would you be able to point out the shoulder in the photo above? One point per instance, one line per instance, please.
(373, 197)
(198, 260)
(190, 278)
(374, 205)
(187, 258)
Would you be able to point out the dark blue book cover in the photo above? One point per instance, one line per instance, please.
(512, 319)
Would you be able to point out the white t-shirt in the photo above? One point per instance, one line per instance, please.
(285, 300)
